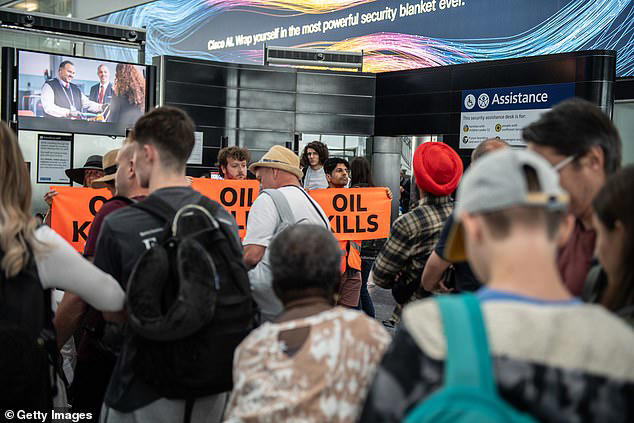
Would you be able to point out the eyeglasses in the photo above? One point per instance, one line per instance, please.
(565, 162)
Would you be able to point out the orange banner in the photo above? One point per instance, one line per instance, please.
(236, 197)
(356, 213)
(73, 210)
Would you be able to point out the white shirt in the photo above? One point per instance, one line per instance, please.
(49, 106)
(315, 179)
(261, 224)
(263, 216)
(60, 266)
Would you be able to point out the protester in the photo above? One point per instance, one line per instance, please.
(584, 147)
(312, 162)
(94, 362)
(614, 223)
(109, 167)
(128, 102)
(399, 265)
(232, 163)
(362, 177)
(437, 269)
(92, 169)
(33, 259)
(314, 363)
(337, 171)
(278, 170)
(552, 354)
(63, 99)
(102, 92)
(163, 140)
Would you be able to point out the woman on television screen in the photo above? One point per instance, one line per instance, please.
(128, 102)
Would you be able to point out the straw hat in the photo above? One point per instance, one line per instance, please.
(77, 174)
(279, 157)
(109, 169)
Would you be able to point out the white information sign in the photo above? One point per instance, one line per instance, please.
(54, 156)
(197, 153)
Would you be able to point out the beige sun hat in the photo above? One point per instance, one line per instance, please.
(109, 169)
(279, 157)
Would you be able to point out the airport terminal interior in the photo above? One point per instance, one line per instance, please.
(395, 106)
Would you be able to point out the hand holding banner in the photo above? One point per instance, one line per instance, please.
(73, 211)
(356, 213)
(236, 197)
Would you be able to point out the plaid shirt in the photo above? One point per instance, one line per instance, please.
(412, 239)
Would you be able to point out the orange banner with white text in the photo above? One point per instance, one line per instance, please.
(73, 211)
(356, 213)
(236, 197)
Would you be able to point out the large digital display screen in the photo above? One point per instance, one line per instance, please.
(393, 34)
(78, 95)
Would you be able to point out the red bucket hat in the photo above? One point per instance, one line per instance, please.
(437, 168)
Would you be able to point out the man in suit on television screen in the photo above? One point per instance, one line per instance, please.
(102, 92)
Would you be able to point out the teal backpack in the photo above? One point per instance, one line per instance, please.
(469, 393)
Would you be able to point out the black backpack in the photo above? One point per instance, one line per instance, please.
(29, 357)
(189, 302)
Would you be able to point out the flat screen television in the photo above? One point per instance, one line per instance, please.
(61, 93)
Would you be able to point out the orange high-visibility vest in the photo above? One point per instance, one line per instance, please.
(352, 255)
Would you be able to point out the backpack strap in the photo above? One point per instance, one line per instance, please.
(468, 361)
(282, 206)
(156, 207)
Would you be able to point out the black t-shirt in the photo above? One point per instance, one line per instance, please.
(125, 235)
(465, 279)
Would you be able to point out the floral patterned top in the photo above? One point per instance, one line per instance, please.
(326, 380)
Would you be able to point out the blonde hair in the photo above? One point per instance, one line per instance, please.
(17, 225)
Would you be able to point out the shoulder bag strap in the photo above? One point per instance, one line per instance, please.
(282, 206)
(312, 202)
(468, 361)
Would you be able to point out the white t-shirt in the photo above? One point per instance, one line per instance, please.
(261, 225)
(315, 179)
(263, 216)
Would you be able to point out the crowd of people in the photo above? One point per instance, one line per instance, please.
(516, 300)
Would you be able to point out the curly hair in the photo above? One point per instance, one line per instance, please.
(236, 153)
(130, 83)
(319, 147)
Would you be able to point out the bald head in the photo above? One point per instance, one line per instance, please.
(487, 146)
